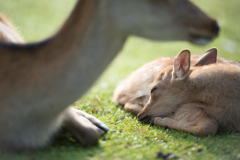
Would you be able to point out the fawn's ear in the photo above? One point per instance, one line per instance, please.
(181, 65)
(208, 57)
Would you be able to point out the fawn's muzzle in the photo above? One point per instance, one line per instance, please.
(145, 117)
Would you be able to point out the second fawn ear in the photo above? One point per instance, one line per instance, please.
(181, 65)
(208, 57)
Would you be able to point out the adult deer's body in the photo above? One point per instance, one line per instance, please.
(200, 100)
(39, 81)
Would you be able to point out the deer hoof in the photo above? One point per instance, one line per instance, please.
(84, 127)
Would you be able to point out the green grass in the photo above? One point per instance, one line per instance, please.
(128, 138)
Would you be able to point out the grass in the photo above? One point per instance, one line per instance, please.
(128, 138)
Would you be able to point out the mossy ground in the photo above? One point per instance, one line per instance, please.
(128, 138)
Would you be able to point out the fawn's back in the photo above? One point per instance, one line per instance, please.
(218, 87)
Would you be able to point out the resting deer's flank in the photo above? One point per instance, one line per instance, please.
(39, 81)
(200, 99)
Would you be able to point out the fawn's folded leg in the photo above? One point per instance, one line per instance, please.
(190, 118)
(133, 108)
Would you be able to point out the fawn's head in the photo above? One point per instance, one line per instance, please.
(168, 89)
(165, 20)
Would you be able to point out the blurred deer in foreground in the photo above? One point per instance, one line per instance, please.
(38, 81)
(200, 99)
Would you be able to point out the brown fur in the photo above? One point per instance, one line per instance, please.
(133, 92)
(202, 100)
(40, 80)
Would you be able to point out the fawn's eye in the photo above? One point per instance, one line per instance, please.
(153, 89)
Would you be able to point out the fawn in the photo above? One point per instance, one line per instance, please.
(200, 99)
(133, 92)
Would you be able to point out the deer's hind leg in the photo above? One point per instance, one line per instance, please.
(136, 105)
(133, 108)
(130, 105)
(190, 118)
(84, 127)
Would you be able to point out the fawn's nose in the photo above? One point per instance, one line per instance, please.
(216, 28)
(145, 117)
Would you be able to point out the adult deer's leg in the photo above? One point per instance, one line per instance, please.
(190, 118)
(84, 127)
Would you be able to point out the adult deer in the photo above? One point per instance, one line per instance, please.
(200, 99)
(133, 92)
(40, 80)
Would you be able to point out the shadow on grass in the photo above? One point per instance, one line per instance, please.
(63, 147)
